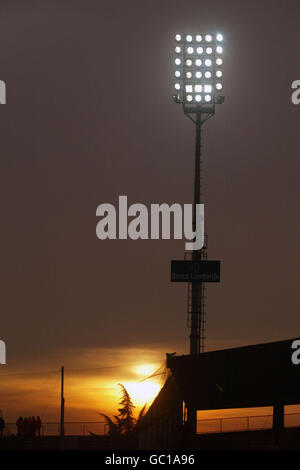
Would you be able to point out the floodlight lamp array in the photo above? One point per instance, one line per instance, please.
(198, 69)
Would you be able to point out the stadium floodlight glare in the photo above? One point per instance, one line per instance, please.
(198, 61)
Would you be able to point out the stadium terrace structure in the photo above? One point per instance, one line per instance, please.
(262, 375)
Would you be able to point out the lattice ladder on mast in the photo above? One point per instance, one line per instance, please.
(200, 308)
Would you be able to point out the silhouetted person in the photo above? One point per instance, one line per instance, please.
(20, 426)
(38, 425)
(25, 427)
(33, 426)
(2, 426)
(30, 427)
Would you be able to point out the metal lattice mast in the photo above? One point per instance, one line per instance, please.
(197, 289)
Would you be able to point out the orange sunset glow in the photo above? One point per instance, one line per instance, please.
(89, 388)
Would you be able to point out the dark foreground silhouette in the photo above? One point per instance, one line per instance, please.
(29, 427)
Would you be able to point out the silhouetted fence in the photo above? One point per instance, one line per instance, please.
(204, 426)
(244, 423)
(72, 428)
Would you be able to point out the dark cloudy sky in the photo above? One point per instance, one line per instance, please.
(89, 117)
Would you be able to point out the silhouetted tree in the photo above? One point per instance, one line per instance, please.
(124, 423)
(140, 417)
(113, 429)
(124, 420)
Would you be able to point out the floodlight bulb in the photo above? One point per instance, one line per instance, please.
(208, 62)
(190, 50)
(207, 98)
(208, 38)
(177, 86)
(199, 50)
(219, 49)
(219, 86)
(219, 61)
(198, 74)
(177, 61)
(177, 73)
(207, 74)
(198, 98)
(188, 75)
(198, 38)
(189, 88)
(219, 37)
(189, 98)
(219, 73)
(198, 62)
(207, 88)
(198, 88)
(188, 62)
(189, 38)
(208, 50)
(177, 49)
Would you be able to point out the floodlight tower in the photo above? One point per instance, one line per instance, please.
(198, 88)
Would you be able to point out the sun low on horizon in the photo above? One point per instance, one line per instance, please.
(145, 388)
